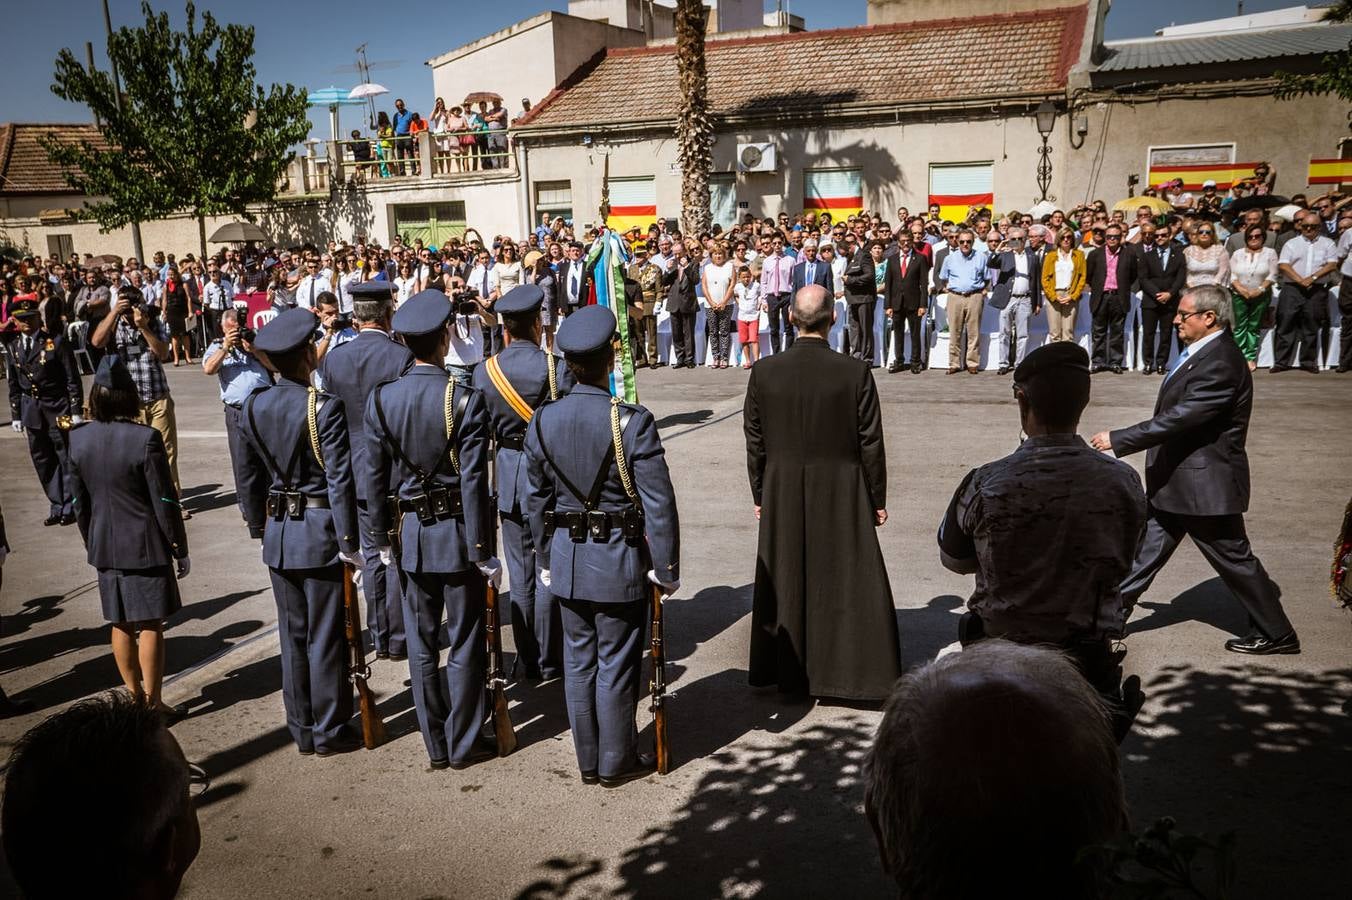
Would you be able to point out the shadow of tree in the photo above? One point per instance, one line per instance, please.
(346, 211)
(1255, 750)
(690, 417)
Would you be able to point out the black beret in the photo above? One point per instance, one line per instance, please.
(524, 298)
(1058, 357)
(287, 331)
(423, 313)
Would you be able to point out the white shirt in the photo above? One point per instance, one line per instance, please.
(485, 281)
(748, 301)
(667, 260)
(467, 341)
(218, 296)
(1345, 250)
(1308, 256)
(405, 286)
(309, 288)
(1020, 287)
(345, 285)
(718, 278)
(572, 285)
(1252, 269)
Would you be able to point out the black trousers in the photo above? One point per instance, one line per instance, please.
(1157, 332)
(51, 460)
(1224, 543)
(682, 338)
(860, 328)
(1107, 333)
(904, 322)
(777, 306)
(1345, 338)
(492, 340)
(1299, 313)
(251, 475)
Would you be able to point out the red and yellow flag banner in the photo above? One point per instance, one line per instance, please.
(1194, 174)
(1330, 171)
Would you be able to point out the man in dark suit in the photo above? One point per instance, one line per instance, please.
(810, 269)
(352, 371)
(680, 280)
(1197, 472)
(1111, 271)
(818, 471)
(1164, 270)
(573, 280)
(1018, 296)
(907, 291)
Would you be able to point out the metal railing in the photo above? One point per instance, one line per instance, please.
(424, 156)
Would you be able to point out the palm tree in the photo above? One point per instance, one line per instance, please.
(694, 127)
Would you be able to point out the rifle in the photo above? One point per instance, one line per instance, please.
(496, 684)
(658, 686)
(372, 727)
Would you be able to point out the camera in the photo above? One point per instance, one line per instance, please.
(466, 301)
(341, 322)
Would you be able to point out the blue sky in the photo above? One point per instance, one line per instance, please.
(308, 42)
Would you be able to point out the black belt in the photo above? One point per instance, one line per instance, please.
(454, 505)
(312, 501)
(965, 294)
(508, 442)
(292, 504)
(596, 523)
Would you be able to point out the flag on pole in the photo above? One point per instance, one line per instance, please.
(607, 259)
(1330, 171)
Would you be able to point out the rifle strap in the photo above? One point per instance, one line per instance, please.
(425, 477)
(508, 391)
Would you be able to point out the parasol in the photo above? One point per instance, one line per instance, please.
(1043, 208)
(366, 91)
(483, 96)
(1257, 201)
(1157, 205)
(238, 232)
(332, 97)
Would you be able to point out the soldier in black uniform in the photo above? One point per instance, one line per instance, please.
(45, 397)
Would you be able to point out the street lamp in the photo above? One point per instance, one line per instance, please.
(1046, 120)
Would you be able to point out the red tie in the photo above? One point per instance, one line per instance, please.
(904, 260)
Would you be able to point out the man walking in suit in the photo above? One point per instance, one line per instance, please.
(1111, 270)
(1018, 296)
(352, 371)
(822, 621)
(1164, 271)
(1197, 472)
(907, 291)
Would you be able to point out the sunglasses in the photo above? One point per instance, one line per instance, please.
(1310, 226)
(1205, 231)
(966, 243)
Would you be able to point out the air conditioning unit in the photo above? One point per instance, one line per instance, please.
(756, 158)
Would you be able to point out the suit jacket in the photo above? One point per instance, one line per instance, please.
(1004, 281)
(1096, 273)
(575, 433)
(276, 423)
(1156, 279)
(862, 261)
(910, 292)
(681, 288)
(44, 382)
(351, 371)
(941, 252)
(414, 408)
(526, 368)
(125, 501)
(821, 275)
(584, 285)
(1195, 459)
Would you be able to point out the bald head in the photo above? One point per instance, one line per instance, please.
(813, 310)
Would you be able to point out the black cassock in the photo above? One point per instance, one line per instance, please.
(822, 621)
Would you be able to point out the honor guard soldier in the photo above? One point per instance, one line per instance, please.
(603, 516)
(427, 448)
(514, 384)
(310, 533)
(351, 371)
(45, 397)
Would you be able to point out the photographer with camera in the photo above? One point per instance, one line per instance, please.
(335, 328)
(466, 350)
(135, 331)
(231, 359)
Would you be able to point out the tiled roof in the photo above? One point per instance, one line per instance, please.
(973, 58)
(24, 167)
(1273, 43)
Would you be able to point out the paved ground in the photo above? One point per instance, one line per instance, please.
(765, 799)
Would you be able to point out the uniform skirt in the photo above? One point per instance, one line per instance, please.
(138, 595)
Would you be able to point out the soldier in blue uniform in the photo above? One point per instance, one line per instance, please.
(427, 443)
(44, 384)
(351, 371)
(514, 384)
(311, 532)
(603, 516)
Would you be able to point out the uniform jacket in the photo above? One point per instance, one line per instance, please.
(1157, 279)
(43, 382)
(909, 292)
(1096, 273)
(575, 431)
(125, 501)
(525, 366)
(1195, 460)
(649, 278)
(275, 422)
(414, 407)
(351, 371)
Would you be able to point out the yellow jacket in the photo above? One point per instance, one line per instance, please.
(1077, 278)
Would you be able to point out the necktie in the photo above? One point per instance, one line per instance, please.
(1178, 363)
(484, 293)
(1164, 258)
(572, 283)
(811, 273)
(904, 260)
(312, 293)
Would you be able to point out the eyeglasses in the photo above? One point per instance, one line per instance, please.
(962, 243)
(1113, 237)
(1185, 316)
(1308, 226)
(1255, 236)
(1205, 231)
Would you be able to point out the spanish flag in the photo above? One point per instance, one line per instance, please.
(633, 201)
(1330, 171)
(1224, 174)
(956, 188)
(837, 191)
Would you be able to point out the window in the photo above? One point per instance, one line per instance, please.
(633, 201)
(957, 187)
(837, 191)
(435, 223)
(555, 198)
(60, 245)
(723, 199)
(1196, 163)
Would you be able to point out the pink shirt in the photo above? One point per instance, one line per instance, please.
(776, 274)
(1110, 280)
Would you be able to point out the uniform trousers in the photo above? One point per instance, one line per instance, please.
(50, 451)
(450, 703)
(964, 313)
(1224, 543)
(777, 306)
(860, 328)
(1157, 332)
(643, 338)
(536, 627)
(1107, 332)
(252, 480)
(315, 690)
(603, 660)
(380, 586)
(1300, 311)
(1014, 321)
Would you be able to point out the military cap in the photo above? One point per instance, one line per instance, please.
(114, 375)
(1060, 358)
(287, 331)
(25, 305)
(423, 313)
(373, 290)
(586, 331)
(524, 298)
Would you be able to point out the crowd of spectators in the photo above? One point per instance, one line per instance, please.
(467, 137)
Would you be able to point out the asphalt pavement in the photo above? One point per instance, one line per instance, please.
(764, 799)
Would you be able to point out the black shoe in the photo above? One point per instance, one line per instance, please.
(395, 656)
(256, 534)
(1094, 370)
(10, 708)
(480, 754)
(1118, 370)
(590, 778)
(1275, 369)
(917, 369)
(68, 519)
(1256, 644)
(175, 714)
(1342, 369)
(345, 742)
(1004, 370)
(53, 519)
(1313, 370)
(1148, 370)
(439, 764)
(306, 751)
(382, 654)
(645, 765)
(894, 368)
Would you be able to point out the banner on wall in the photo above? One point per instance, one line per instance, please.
(1330, 171)
(1193, 174)
(633, 201)
(960, 186)
(837, 191)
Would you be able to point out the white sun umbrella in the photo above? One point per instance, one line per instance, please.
(1042, 208)
(364, 91)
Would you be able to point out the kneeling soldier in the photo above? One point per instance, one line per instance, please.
(310, 533)
(603, 515)
(427, 445)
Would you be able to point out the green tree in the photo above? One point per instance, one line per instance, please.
(1335, 73)
(194, 131)
(694, 125)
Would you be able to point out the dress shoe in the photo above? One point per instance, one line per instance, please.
(1094, 370)
(438, 764)
(385, 654)
(953, 370)
(645, 765)
(1148, 370)
(916, 369)
(894, 368)
(481, 753)
(1275, 369)
(1118, 370)
(68, 519)
(1342, 369)
(1313, 370)
(1257, 644)
(53, 519)
(590, 778)
(398, 657)
(344, 742)
(1004, 370)
(972, 370)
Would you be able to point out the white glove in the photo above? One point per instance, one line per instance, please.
(17, 426)
(492, 570)
(386, 555)
(184, 567)
(668, 587)
(544, 577)
(76, 420)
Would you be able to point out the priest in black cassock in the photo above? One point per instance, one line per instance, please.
(822, 622)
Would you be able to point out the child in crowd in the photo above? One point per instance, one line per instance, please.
(749, 307)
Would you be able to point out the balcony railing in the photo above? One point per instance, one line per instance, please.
(422, 157)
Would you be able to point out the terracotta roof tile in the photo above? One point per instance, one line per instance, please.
(24, 167)
(960, 59)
